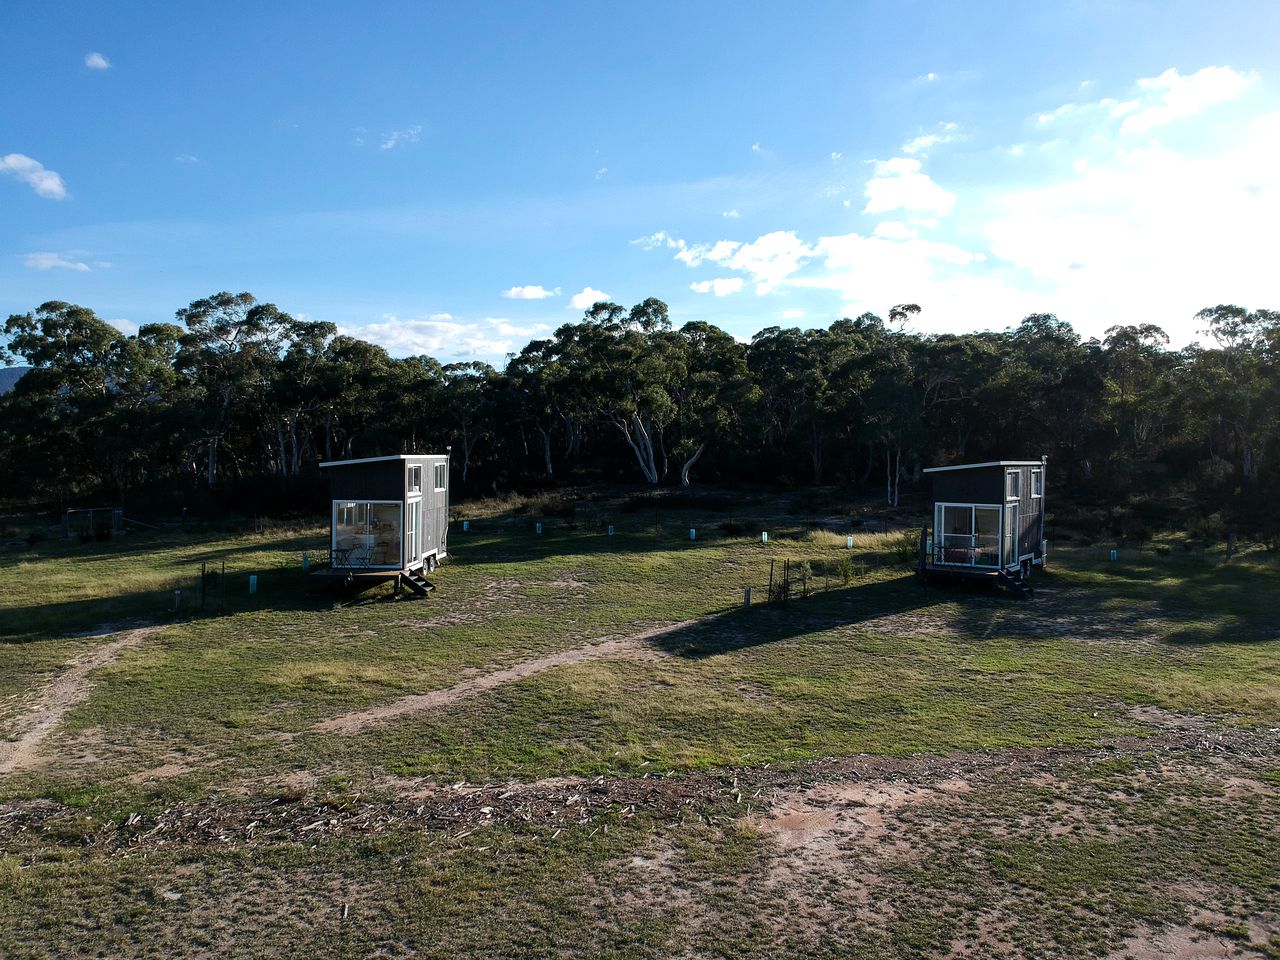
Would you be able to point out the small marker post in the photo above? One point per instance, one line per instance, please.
(466, 525)
(1115, 555)
(764, 536)
(848, 543)
(610, 530)
(537, 528)
(693, 534)
(253, 583)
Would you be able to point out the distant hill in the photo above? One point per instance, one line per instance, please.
(9, 376)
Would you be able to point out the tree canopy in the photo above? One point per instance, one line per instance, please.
(238, 393)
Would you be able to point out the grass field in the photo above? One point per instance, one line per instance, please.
(583, 745)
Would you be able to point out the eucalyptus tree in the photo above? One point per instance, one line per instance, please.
(58, 418)
(469, 399)
(230, 351)
(1248, 405)
(716, 396)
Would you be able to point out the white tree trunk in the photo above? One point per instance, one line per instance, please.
(641, 443)
(688, 465)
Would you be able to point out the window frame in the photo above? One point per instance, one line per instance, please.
(1037, 483)
(414, 484)
(1014, 474)
(441, 472)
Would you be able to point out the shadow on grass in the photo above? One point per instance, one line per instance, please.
(739, 628)
(291, 590)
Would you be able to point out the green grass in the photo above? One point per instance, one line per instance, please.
(876, 665)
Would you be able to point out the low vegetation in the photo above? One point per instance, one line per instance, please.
(615, 745)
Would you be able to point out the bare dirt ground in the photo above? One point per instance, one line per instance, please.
(52, 702)
(635, 646)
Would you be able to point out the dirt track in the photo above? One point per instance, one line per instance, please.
(635, 646)
(57, 698)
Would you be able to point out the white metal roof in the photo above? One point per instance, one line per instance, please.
(974, 466)
(397, 456)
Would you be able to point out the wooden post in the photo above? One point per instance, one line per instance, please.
(769, 598)
(746, 597)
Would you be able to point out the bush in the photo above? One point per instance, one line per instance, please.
(906, 546)
(844, 569)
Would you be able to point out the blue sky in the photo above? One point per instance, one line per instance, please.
(458, 178)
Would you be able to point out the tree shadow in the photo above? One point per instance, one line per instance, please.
(739, 628)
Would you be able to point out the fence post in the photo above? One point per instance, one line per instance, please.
(203, 587)
(746, 596)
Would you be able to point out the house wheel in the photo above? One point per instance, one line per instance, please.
(1026, 569)
(431, 564)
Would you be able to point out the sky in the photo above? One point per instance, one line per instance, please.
(456, 179)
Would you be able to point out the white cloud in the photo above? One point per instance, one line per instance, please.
(926, 142)
(899, 184)
(792, 314)
(601, 172)
(769, 259)
(397, 137)
(755, 148)
(96, 61)
(894, 230)
(589, 297)
(532, 292)
(187, 158)
(1176, 97)
(721, 286)
(53, 261)
(1160, 100)
(446, 337)
(46, 183)
(929, 77)
(730, 214)
(1151, 233)
(836, 155)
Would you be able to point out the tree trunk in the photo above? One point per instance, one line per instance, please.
(641, 445)
(888, 476)
(546, 449)
(688, 465)
(284, 459)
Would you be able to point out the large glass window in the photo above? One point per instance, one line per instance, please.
(967, 534)
(415, 479)
(366, 534)
(1013, 485)
(1037, 482)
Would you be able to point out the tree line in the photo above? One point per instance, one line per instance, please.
(238, 395)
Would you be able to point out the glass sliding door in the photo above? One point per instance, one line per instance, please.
(955, 537)
(366, 534)
(986, 540)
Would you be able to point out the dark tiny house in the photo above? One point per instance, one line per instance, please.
(988, 518)
(388, 514)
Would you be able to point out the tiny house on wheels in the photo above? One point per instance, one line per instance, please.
(988, 520)
(389, 517)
